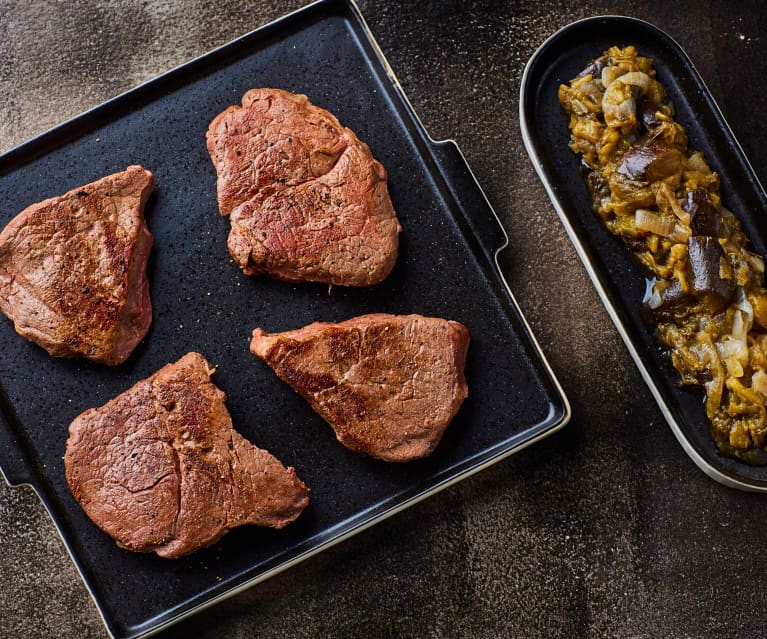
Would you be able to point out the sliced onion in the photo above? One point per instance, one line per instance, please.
(715, 387)
(673, 202)
(746, 310)
(609, 74)
(759, 383)
(648, 221)
(734, 367)
(636, 79)
(680, 234)
(651, 298)
(619, 108)
(619, 114)
(578, 107)
(696, 162)
(591, 89)
(734, 354)
(754, 260)
(738, 326)
(733, 349)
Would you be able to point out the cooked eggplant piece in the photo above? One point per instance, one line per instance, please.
(594, 68)
(631, 194)
(665, 300)
(706, 283)
(598, 186)
(648, 112)
(650, 159)
(705, 219)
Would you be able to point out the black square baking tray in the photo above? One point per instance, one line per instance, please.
(447, 267)
(618, 280)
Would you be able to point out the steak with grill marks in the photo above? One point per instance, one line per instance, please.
(73, 269)
(307, 200)
(388, 384)
(160, 468)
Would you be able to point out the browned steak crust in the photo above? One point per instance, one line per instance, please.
(73, 269)
(388, 384)
(160, 468)
(308, 201)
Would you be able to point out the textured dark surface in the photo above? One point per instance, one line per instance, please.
(607, 529)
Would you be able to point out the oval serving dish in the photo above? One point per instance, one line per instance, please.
(618, 279)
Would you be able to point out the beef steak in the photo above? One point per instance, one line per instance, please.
(73, 269)
(308, 202)
(160, 468)
(387, 384)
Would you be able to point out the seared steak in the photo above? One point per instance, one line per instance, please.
(387, 384)
(160, 468)
(73, 269)
(308, 201)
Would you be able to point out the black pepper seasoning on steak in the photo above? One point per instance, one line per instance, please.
(160, 468)
(73, 269)
(388, 384)
(307, 200)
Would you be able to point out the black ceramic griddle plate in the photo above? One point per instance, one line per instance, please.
(202, 302)
(619, 280)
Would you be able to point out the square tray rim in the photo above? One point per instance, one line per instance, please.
(558, 417)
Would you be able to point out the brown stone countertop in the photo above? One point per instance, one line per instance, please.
(606, 529)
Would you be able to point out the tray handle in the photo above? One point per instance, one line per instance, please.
(471, 199)
(14, 463)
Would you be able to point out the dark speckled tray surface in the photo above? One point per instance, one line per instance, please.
(618, 279)
(446, 268)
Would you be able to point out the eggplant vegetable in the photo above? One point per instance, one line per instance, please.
(705, 292)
